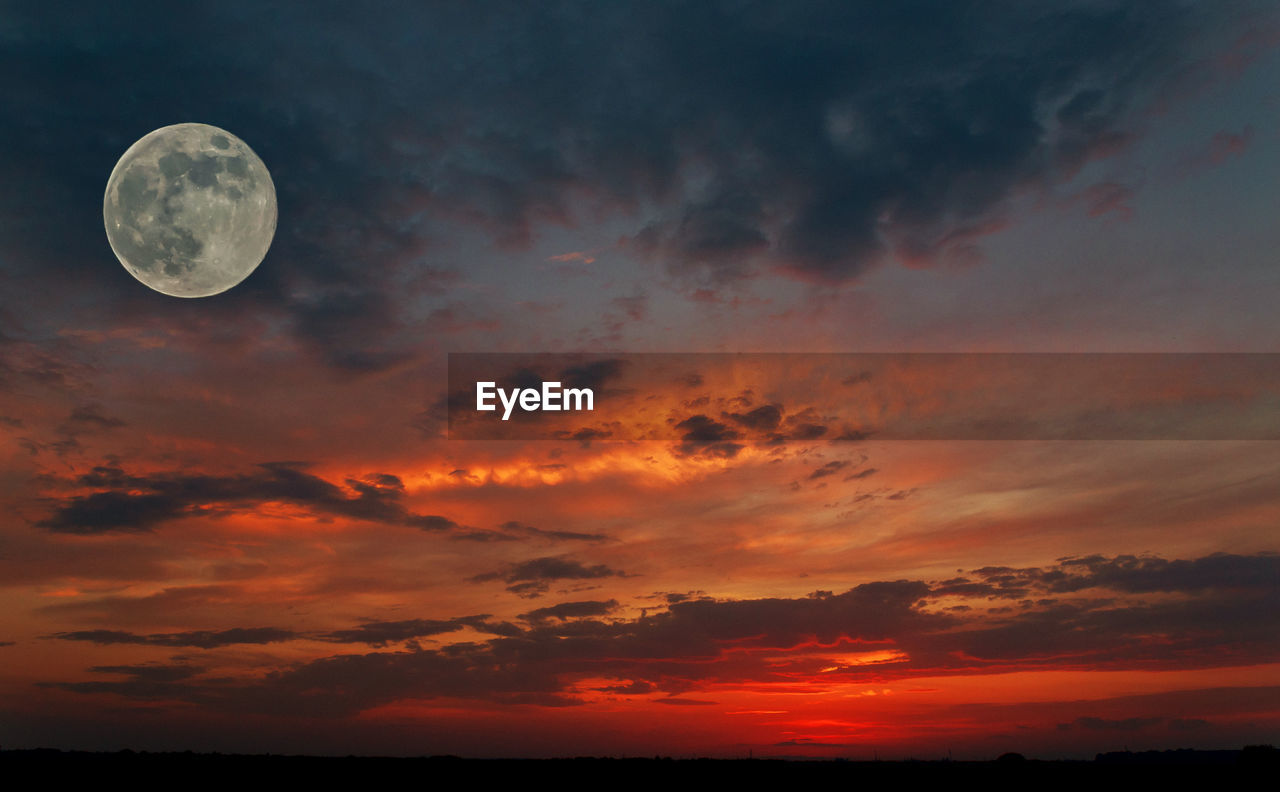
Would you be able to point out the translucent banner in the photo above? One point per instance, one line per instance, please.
(705, 401)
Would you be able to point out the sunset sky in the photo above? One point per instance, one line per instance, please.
(242, 523)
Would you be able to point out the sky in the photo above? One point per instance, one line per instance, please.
(241, 523)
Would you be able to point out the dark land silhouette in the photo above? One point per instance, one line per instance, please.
(1185, 764)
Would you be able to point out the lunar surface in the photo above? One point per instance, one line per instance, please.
(190, 210)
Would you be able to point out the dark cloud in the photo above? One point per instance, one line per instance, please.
(719, 235)
(964, 587)
(807, 431)
(374, 633)
(761, 418)
(674, 597)
(532, 578)
(518, 530)
(632, 689)
(1124, 724)
(665, 650)
(89, 418)
(1140, 574)
(594, 375)
(825, 138)
(434, 522)
(765, 426)
(349, 327)
(201, 639)
(829, 469)
(865, 130)
(571, 610)
(583, 436)
(384, 632)
(152, 673)
(694, 644)
(851, 436)
(1151, 574)
(141, 503)
(1188, 724)
(113, 511)
(147, 682)
(700, 434)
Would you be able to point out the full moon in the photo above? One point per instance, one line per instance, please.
(190, 210)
